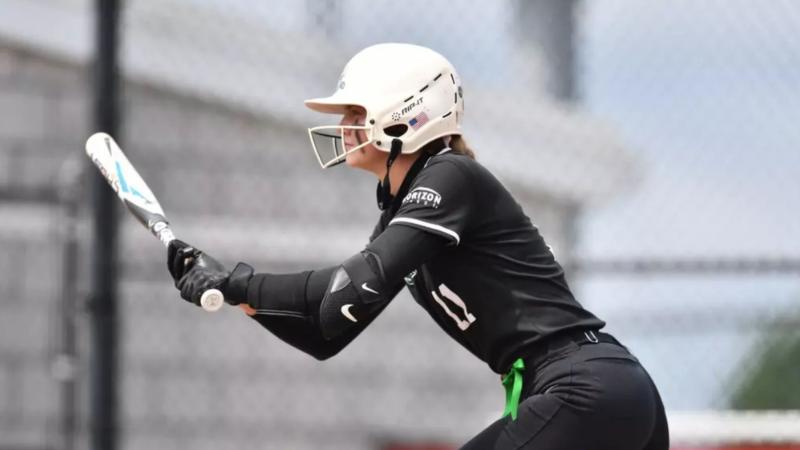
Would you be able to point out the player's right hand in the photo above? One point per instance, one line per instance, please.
(205, 273)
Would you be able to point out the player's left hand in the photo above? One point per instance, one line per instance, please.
(206, 273)
(195, 272)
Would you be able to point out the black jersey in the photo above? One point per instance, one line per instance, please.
(497, 288)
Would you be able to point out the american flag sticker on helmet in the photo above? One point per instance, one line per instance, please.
(418, 121)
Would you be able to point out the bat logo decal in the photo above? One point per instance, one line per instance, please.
(124, 185)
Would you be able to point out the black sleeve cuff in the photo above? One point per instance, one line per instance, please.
(238, 280)
(278, 294)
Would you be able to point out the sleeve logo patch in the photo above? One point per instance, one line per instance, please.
(423, 196)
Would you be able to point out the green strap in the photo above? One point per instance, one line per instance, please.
(512, 381)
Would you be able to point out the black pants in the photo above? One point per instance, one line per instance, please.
(582, 395)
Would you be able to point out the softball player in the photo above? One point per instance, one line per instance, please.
(452, 234)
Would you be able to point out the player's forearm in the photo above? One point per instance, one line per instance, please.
(288, 306)
(302, 335)
(280, 294)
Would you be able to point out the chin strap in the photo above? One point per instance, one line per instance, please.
(384, 193)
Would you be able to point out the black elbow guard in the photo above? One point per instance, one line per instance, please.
(355, 294)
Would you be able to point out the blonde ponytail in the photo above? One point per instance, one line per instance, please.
(460, 146)
(456, 143)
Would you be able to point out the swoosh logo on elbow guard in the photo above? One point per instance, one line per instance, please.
(346, 312)
(369, 289)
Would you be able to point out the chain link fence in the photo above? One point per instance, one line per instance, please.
(653, 144)
(696, 264)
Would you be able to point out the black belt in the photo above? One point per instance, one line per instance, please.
(557, 342)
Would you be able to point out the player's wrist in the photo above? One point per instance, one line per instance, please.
(236, 287)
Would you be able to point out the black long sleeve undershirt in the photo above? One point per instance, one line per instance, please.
(288, 304)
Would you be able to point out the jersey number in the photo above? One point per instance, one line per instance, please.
(456, 300)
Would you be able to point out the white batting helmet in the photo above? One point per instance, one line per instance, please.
(410, 93)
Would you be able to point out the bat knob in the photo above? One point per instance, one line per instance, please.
(212, 300)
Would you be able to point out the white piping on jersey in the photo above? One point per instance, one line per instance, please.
(441, 152)
(431, 226)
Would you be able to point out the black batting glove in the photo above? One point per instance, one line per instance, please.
(206, 273)
(180, 258)
(195, 272)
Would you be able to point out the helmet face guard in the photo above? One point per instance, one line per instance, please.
(329, 145)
